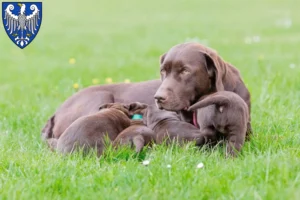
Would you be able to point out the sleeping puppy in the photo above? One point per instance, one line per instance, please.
(168, 127)
(159, 126)
(89, 131)
(222, 115)
(136, 135)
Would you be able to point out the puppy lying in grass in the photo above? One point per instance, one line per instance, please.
(166, 127)
(222, 115)
(136, 135)
(89, 131)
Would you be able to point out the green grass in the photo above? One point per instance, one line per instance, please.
(124, 39)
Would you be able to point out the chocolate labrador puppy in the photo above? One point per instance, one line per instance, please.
(137, 135)
(162, 126)
(89, 131)
(191, 70)
(223, 115)
(87, 102)
(168, 127)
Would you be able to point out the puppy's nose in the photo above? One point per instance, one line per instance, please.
(160, 98)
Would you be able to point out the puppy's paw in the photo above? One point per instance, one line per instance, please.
(52, 143)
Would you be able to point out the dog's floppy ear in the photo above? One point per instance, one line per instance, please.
(162, 58)
(136, 108)
(215, 70)
(107, 105)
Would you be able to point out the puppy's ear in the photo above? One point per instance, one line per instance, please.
(215, 70)
(136, 107)
(162, 58)
(126, 106)
(107, 105)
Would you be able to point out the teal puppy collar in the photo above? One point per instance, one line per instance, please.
(137, 116)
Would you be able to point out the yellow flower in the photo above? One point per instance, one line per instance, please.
(127, 80)
(95, 81)
(108, 80)
(72, 61)
(75, 85)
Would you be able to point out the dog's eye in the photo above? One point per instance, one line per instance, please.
(185, 71)
(163, 72)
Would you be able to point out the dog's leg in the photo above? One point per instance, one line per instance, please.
(48, 129)
(124, 141)
(136, 141)
(235, 141)
(100, 150)
(249, 131)
(207, 136)
(52, 143)
(139, 143)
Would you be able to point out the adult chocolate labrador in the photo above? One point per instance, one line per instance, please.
(191, 70)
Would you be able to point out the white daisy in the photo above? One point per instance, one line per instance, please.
(200, 165)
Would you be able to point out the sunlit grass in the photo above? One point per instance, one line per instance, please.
(88, 43)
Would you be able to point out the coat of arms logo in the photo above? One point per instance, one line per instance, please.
(22, 21)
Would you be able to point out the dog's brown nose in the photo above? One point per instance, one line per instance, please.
(159, 98)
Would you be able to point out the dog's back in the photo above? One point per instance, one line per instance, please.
(89, 131)
(223, 114)
(213, 108)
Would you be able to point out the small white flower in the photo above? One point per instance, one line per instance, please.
(284, 23)
(256, 39)
(169, 166)
(292, 65)
(200, 165)
(252, 39)
(288, 23)
(146, 162)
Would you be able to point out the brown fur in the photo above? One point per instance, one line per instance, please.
(136, 136)
(89, 131)
(223, 115)
(168, 127)
(188, 71)
(191, 70)
(87, 102)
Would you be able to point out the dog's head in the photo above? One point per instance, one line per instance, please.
(188, 71)
(127, 109)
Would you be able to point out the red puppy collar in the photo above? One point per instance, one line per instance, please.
(195, 119)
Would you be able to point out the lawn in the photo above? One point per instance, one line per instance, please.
(86, 42)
